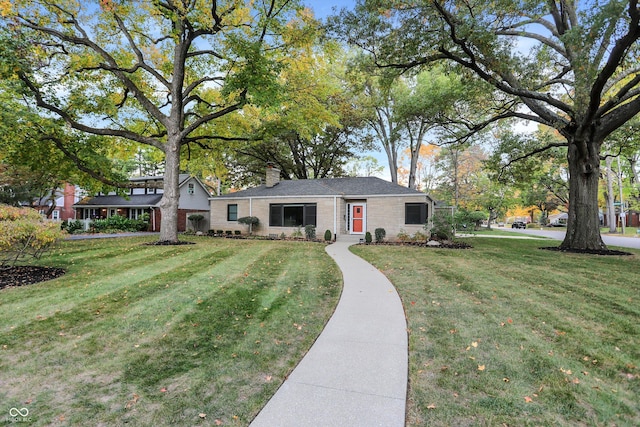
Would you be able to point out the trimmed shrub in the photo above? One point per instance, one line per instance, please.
(367, 237)
(380, 234)
(25, 233)
(117, 223)
(310, 231)
(251, 221)
(195, 220)
(328, 235)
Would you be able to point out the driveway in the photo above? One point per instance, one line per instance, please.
(609, 240)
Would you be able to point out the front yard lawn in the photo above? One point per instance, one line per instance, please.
(506, 334)
(162, 335)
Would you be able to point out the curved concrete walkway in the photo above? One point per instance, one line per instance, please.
(356, 372)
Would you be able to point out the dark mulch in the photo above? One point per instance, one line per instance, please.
(586, 251)
(169, 243)
(443, 244)
(27, 275)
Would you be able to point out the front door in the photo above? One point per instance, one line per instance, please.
(357, 218)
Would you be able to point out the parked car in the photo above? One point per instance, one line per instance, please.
(518, 224)
(501, 224)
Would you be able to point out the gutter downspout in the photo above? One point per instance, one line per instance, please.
(250, 214)
(335, 217)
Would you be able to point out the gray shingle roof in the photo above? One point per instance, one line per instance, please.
(141, 200)
(349, 187)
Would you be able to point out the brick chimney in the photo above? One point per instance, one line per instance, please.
(272, 177)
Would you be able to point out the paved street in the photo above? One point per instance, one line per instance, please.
(625, 242)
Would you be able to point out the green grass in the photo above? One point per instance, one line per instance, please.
(157, 335)
(498, 231)
(508, 334)
(628, 231)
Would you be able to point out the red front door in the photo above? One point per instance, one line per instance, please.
(358, 218)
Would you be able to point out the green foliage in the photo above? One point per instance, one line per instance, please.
(442, 228)
(328, 235)
(72, 226)
(380, 234)
(195, 220)
(310, 231)
(118, 64)
(297, 233)
(249, 220)
(468, 220)
(118, 223)
(25, 234)
(367, 237)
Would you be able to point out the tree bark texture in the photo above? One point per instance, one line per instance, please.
(583, 223)
(171, 193)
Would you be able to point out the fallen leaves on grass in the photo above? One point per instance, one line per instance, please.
(133, 401)
(481, 367)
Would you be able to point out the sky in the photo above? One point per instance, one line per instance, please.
(323, 8)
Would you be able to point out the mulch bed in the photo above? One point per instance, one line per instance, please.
(169, 243)
(443, 244)
(586, 251)
(27, 275)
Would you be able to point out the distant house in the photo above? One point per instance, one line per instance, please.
(341, 205)
(64, 199)
(194, 199)
(558, 220)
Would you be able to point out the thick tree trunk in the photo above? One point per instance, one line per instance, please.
(171, 196)
(583, 223)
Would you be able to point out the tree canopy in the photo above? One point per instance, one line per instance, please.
(568, 65)
(155, 73)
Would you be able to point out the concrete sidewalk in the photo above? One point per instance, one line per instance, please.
(356, 372)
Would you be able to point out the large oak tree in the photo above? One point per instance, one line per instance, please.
(566, 64)
(155, 72)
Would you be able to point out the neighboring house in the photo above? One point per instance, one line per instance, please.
(558, 220)
(194, 199)
(64, 198)
(341, 205)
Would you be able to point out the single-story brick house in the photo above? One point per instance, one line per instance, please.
(341, 205)
(145, 197)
